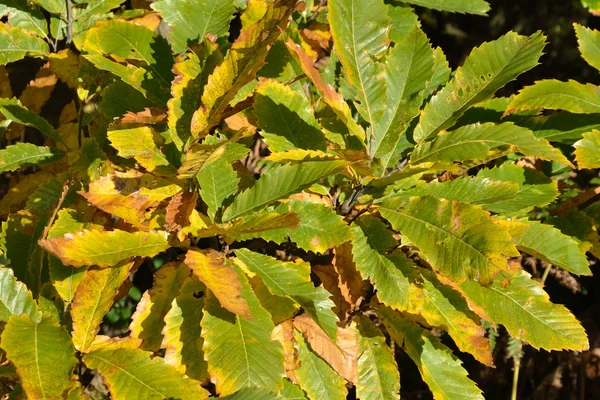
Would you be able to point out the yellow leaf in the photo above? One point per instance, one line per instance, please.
(131, 196)
(65, 64)
(211, 268)
(94, 297)
(246, 57)
(147, 322)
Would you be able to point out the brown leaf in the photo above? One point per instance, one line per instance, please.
(211, 268)
(284, 333)
(343, 280)
(150, 116)
(341, 355)
(180, 209)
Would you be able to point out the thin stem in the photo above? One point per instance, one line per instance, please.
(515, 382)
(546, 272)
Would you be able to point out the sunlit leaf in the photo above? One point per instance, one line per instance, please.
(13, 110)
(479, 7)
(587, 150)
(132, 374)
(17, 43)
(22, 154)
(93, 298)
(43, 354)
(488, 68)
(191, 20)
(521, 305)
(103, 248)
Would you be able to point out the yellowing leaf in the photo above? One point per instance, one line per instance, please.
(330, 96)
(132, 375)
(43, 354)
(139, 143)
(240, 351)
(478, 7)
(147, 322)
(93, 298)
(524, 308)
(589, 44)
(587, 150)
(16, 43)
(130, 196)
(459, 240)
(221, 278)
(182, 339)
(105, 249)
(245, 58)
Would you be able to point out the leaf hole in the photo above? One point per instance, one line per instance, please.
(199, 294)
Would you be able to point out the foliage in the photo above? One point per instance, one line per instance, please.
(309, 193)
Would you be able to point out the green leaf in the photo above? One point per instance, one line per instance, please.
(240, 351)
(148, 320)
(589, 44)
(359, 31)
(293, 281)
(378, 377)
(140, 144)
(20, 154)
(131, 374)
(278, 183)
(13, 110)
(475, 190)
(104, 249)
(488, 68)
(551, 94)
(479, 7)
(286, 118)
(535, 189)
(253, 393)
(368, 248)
(524, 308)
(129, 41)
(94, 297)
(403, 21)
(218, 180)
(319, 229)
(459, 240)
(439, 368)
(483, 142)
(182, 339)
(43, 354)
(52, 6)
(245, 58)
(587, 150)
(15, 299)
(315, 376)
(408, 68)
(21, 15)
(17, 43)
(551, 245)
(191, 20)
(252, 226)
(592, 5)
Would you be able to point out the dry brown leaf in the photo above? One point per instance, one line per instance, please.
(341, 356)
(284, 333)
(180, 209)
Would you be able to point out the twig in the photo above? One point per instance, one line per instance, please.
(69, 24)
